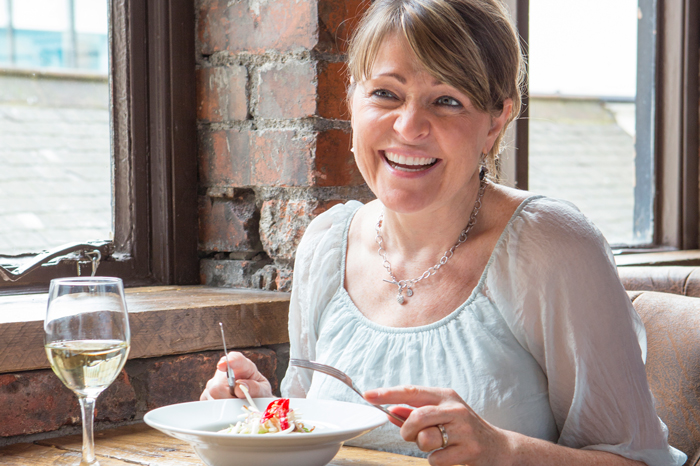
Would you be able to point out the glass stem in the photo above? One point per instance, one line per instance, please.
(87, 411)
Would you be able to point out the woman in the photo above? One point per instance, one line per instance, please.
(516, 346)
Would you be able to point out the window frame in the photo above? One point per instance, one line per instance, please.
(153, 106)
(677, 189)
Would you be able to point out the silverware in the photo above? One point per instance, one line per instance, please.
(229, 372)
(342, 376)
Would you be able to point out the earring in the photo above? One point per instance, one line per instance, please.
(352, 149)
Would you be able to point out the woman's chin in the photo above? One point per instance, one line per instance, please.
(405, 203)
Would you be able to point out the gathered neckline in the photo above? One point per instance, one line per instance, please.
(343, 293)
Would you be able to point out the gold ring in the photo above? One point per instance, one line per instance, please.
(445, 438)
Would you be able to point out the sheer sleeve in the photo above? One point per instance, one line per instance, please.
(317, 277)
(564, 303)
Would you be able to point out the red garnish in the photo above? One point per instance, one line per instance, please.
(280, 409)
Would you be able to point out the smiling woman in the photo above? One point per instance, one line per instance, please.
(475, 315)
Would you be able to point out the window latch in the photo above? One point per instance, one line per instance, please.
(86, 252)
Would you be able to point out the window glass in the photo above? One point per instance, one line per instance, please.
(55, 156)
(583, 77)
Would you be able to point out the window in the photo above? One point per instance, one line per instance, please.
(657, 163)
(54, 124)
(153, 151)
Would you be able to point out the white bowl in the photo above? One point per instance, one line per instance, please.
(198, 424)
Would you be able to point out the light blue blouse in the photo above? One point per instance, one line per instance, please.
(548, 344)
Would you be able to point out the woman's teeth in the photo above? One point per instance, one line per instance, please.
(409, 163)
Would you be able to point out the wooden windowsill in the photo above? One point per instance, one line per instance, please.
(685, 258)
(164, 321)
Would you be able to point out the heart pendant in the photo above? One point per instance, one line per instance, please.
(399, 298)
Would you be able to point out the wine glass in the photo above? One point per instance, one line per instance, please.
(87, 341)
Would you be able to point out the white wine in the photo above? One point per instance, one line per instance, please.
(87, 366)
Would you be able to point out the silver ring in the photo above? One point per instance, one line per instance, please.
(445, 438)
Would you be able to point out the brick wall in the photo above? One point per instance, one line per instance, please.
(36, 404)
(273, 129)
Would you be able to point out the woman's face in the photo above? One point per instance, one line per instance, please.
(417, 142)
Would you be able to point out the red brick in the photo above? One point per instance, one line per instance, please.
(336, 21)
(287, 90)
(118, 402)
(229, 273)
(221, 94)
(284, 279)
(179, 379)
(35, 401)
(274, 278)
(257, 25)
(213, 26)
(283, 25)
(224, 158)
(335, 164)
(324, 206)
(332, 84)
(228, 224)
(282, 158)
(283, 223)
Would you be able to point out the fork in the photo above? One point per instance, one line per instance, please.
(343, 377)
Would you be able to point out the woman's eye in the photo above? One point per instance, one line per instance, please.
(383, 94)
(448, 101)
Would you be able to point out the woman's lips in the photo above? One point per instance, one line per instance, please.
(409, 164)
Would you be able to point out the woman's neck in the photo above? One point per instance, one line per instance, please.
(415, 241)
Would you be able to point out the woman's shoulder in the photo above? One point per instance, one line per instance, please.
(542, 227)
(544, 215)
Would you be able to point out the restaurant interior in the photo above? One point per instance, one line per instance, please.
(229, 134)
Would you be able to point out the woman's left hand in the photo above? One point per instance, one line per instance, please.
(470, 439)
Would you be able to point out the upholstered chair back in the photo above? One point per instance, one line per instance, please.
(671, 279)
(672, 324)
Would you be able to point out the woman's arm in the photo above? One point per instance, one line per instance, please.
(470, 439)
(576, 320)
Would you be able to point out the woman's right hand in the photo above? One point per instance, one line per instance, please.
(246, 373)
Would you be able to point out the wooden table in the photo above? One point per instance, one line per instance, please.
(141, 445)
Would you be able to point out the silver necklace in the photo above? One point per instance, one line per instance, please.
(408, 285)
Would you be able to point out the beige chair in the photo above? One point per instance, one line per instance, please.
(670, 279)
(672, 323)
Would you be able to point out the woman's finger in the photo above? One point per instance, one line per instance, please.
(243, 368)
(407, 394)
(425, 418)
(429, 439)
(401, 411)
(445, 457)
(216, 388)
(255, 389)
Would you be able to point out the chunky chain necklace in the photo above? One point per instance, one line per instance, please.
(408, 285)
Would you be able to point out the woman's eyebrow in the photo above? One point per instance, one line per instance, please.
(396, 76)
(390, 74)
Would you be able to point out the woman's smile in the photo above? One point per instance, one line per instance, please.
(408, 164)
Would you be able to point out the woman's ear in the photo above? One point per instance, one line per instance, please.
(498, 123)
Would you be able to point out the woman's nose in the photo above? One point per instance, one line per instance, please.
(412, 122)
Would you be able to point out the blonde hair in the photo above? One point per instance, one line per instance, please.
(468, 44)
